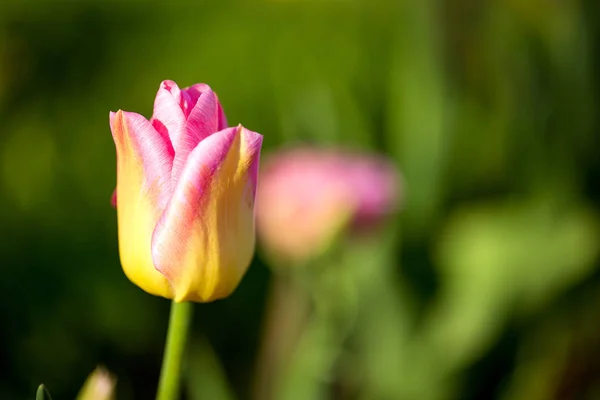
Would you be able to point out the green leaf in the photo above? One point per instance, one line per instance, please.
(42, 393)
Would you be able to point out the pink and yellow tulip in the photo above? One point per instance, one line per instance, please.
(185, 194)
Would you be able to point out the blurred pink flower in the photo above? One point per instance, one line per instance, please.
(306, 196)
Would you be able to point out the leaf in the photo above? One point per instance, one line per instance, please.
(42, 393)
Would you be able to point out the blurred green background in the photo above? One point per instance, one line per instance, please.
(488, 282)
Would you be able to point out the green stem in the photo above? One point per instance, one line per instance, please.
(287, 311)
(179, 321)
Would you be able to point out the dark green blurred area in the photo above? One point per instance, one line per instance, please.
(489, 108)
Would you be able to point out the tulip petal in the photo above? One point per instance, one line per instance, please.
(204, 240)
(202, 121)
(190, 97)
(144, 161)
(168, 118)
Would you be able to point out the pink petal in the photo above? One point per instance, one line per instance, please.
(168, 118)
(190, 96)
(143, 191)
(186, 116)
(202, 121)
(135, 137)
(251, 145)
(206, 220)
(377, 185)
(189, 196)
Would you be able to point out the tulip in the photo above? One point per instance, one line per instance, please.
(100, 385)
(185, 193)
(307, 196)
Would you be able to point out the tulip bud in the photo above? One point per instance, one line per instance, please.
(185, 195)
(100, 385)
(307, 196)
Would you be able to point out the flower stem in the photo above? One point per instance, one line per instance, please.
(287, 311)
(179, 321)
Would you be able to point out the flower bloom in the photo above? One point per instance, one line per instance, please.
(308, 195)
(185, 193)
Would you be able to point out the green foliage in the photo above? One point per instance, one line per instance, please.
(485, 286)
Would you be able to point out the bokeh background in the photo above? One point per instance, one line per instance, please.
(487, 284)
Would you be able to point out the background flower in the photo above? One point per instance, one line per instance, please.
(308, 196)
